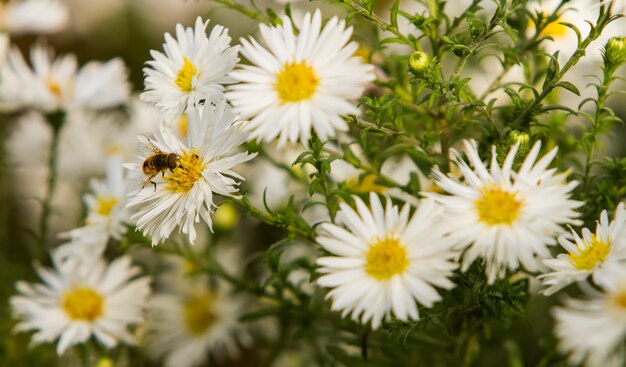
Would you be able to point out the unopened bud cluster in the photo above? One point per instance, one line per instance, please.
(615, 52)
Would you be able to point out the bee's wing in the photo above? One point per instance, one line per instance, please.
(146, 141)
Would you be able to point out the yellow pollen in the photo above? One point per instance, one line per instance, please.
(189, 171)
(83, 304)
(386, 258)
(198, 313)
(595, 252)
(105, 204)
(296, 82)
(185, 76)
(54, 87)
(367, 184)
(497, 206)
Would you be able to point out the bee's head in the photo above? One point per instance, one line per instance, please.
(172, 161)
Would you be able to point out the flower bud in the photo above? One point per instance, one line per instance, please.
(515, 137)
(615, 52)
(105, 362)
(420, 63)
(226, 216)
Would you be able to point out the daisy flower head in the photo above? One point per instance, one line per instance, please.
(56, 83)
(593, 331)
(33, 16)
(601, 255)
(194, 68)
(77, 301)
(299, 82)
(200, 166)
(107, 216)
(195, 319)
(505, 217)
(382, 261)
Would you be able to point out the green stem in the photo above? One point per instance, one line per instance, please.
(364, 12)
(523, 49)
(250, 13)
(595, 124)
(56, 122)
(273, 220)
(603, 21)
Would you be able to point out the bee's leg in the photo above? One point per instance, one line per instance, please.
(154, 184)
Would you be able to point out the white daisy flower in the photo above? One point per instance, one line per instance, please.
(196, 318)
(300, 82)
(507, 218)
(204, 163)
(385, 262)
(107, 215)
(78, 301)
(601, 255)
(57, 84)
(194, 68)
(33, 16)
(593, 331)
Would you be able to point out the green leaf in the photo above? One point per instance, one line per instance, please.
(569, 86)
(393, 16)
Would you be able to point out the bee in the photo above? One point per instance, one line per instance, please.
(157, 162)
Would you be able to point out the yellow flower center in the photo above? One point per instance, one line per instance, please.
(367, 184)
(588, 257)
(189, 171)
(620, 300)
(83, 304)
(54, 87)
(198, 313)
(552, 29)
(182, 123)
(296, 82)
(185, 76)
(386, 258)
(497, 206)
(363, 52)
(105, 204)
(114, 149)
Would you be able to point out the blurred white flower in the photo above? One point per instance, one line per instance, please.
(76, 302)
(593, 331)
(194, 68)
(107, 215)
(601, 255)
(205, 159)
(196, 319)
(300, 82)
(502, 216)
(384, 261)
(54, 84)
(33, 16)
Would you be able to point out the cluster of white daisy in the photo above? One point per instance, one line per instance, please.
(380, 261)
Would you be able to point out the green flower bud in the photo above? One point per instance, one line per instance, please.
(515, 137)
(226, 216)
(420, 63)
(105, 362)
(615, 52)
